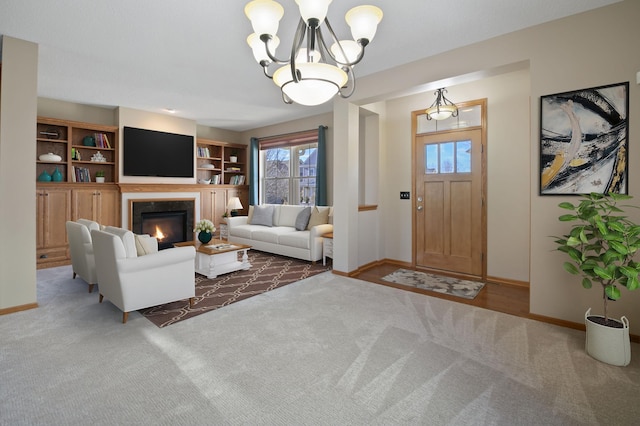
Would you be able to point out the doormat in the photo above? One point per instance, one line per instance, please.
(447, 285)
(268, 271)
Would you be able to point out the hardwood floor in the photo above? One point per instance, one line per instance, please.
(505, 298)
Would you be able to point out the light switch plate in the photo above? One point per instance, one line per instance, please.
(405, 195)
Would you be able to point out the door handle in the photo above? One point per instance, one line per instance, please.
(419, 208)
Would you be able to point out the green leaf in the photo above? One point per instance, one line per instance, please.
(567, 206)
(586, 283)
(620, 248)
(567, 217)
(628, 271)
(573, 241)
(612, 292)
(633, 283)
(602, 273)
(571, 268)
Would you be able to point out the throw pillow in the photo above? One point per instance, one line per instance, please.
(262, 215)
(318, 217)
(143, 245)
(250, 214)
(302, 220)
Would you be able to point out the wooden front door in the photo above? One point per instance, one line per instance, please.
(449, 202)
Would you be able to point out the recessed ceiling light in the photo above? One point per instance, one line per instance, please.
(170, 110)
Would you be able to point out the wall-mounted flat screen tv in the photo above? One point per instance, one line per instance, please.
(153, 153)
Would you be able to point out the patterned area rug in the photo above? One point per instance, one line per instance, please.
(441, 284)
(268, 271)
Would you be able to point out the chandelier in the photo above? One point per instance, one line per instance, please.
(313, 74)
(442, 108)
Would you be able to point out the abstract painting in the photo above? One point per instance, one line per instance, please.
(584, 141)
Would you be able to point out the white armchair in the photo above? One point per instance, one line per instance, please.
(133, 282)
(81, 248)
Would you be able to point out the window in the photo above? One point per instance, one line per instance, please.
(448, 157)
(288, 170)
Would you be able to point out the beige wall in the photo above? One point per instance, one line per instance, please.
(18, 97)
(586, 50)
(507, 170)
(129, 117)
(64, 110)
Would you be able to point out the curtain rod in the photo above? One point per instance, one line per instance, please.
(289, 135)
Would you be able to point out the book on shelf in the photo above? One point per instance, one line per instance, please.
(80, 174)
(203, 152)
(102, 141)
(236, 180)
(215, 180)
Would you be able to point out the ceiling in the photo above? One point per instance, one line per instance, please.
(192, 56)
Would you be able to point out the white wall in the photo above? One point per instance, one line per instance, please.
(18, 98)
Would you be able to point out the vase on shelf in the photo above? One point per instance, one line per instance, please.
(56, 176)
(204, 237)
(44, 177)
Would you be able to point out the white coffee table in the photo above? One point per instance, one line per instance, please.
(218, 257)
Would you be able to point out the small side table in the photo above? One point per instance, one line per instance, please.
(224, 231)
(327, 247)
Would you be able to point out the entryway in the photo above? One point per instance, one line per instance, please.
(449, 186)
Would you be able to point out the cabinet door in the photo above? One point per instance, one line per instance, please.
(108, 208)
(213, 203)
(56, 210)
(84, 204)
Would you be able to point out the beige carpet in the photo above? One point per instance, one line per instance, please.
(328, 350)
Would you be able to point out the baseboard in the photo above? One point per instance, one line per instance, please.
(507, 281)
(571, 324)
(20, 308)
(370, 265)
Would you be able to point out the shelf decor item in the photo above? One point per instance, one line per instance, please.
(233, 158)
(89, 141)
(205, 230)
(100, 176)
(44, 177)
(50, 157)
(602, 243)
(56, 176)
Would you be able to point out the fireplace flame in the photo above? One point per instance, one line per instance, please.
(159, 235)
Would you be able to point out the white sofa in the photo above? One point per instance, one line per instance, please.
(282, 237)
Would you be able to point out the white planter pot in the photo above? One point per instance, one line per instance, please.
(233, 159)
(100, 179)
(608, 344)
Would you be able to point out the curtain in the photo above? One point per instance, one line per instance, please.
(254, 163)
(321, 168)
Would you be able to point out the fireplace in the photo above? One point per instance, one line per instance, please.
(170, 221)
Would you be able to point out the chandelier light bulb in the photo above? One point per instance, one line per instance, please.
(257, 46)
(363, 21)
(313, 9)
(264, 15)
(351, 50)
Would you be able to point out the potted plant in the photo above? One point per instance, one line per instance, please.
(205, 230)
(602, 243)
(233, 156)
(100, 176)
